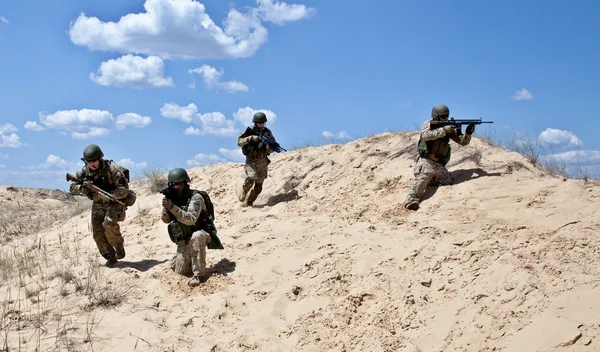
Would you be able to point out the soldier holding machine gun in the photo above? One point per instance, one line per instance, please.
(106, 183)
(257, 143)
(434, 151)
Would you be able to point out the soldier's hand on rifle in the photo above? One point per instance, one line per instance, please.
(255, 139)
(450, 129)
(470, 129)
(167, 203)
(99, 197)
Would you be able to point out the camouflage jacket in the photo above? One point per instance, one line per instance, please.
(250, 148)
(109, 178)
(185, 210)
(434, 144)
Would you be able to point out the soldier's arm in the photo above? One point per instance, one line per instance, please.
(428, 134)
(244, 138)
(190, 216)
(75, 187)
(122, 187)
(463, 140)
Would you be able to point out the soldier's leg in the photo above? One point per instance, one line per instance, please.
(424, 173)
(114, 214)
(261, 174)
(98, 215)
(442, 176)
(182, 262)
(249, 181)
(199, 241)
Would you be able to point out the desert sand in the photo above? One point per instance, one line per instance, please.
(506, 259)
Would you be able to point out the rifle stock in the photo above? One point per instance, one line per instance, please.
(94, 188)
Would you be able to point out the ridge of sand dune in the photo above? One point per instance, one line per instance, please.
(328, 259)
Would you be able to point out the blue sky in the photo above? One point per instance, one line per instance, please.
(171, 83)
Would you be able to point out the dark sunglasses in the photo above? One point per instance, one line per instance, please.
(171, 184)
(92, 160)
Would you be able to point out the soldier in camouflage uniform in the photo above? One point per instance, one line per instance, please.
(190, 227)
(106, 215)
(434, 153)
(257, 161)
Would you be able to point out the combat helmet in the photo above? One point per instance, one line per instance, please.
(259, 117)
(178, 175)
(92, 152)
(440, 112)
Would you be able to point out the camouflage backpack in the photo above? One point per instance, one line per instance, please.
(131, 196)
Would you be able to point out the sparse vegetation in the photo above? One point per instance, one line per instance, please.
(156, 177)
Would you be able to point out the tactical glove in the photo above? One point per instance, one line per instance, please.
(254, 139)
(167, 203)
(470, 129)
(450, 129)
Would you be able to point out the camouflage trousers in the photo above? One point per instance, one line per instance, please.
(256, 173)
(191, 257)
(427, 171)
(105, 227)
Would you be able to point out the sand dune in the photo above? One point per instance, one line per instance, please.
(327, 260)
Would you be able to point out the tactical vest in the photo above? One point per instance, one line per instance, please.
(178, 231)
(251, 150)
(204, 220)
(436, 150)
(103, 179)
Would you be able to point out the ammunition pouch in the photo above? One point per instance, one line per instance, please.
(179, 232)
(130, 199)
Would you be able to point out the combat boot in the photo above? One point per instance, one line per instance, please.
(112, 260)
(196, 281)
(120, 252)
(414, 205)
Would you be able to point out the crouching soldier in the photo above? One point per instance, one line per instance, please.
(190, 215)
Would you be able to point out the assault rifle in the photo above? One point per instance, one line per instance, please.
(457, 124)
(169, 192)
(92, 187)
(265, 141)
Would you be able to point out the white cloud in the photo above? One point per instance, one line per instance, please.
(245, 115)
(133, 72)
(233, 154)
(33, 126)
(9, 139)
(211, 123)
(133, 120)
(3, 19)
(8, 128)
(340, 135)
(53, 161)
(3, 156)
(280, 12)
(183, 29)
(575, 157)
(81, 124)
(182, 113)
(522, 94)
(561, 138)
(211, 77)
(205, 159)
(2, 166)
